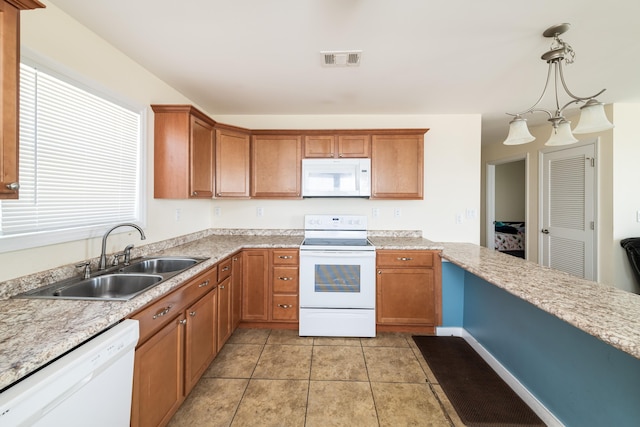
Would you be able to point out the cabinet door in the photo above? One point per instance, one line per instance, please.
(201, 159)
(9, 54)
(236, 291)
(200, 342)
(255, 285)
(358, 146)
(397, 166)
(224, 311)
(158, 377)
(232, 164)
(406, 296)
(319, 146)
(275, 166)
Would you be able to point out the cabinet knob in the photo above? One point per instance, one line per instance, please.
(226, 268)
(183, 322)
(379, 271)
(195, 193)
(13, 186)
(285, 278)
(221, 286)
(192, 313)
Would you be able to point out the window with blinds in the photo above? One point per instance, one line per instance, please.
(79, 163)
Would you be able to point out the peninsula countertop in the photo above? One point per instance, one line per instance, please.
(35, 332)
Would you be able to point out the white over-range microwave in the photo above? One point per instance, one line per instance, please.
(336, 177)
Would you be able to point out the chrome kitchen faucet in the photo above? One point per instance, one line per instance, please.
(103, 256)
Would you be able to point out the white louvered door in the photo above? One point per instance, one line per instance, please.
(567, 234)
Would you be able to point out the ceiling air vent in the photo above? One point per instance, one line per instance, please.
(341, 58)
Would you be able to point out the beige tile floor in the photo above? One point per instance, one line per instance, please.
(265, 377)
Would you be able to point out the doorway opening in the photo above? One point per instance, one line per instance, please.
(507, 205)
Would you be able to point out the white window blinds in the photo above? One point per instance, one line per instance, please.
(79, 159)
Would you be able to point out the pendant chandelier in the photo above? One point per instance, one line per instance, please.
(592, 115)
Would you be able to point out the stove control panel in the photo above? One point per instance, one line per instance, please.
(335, 222)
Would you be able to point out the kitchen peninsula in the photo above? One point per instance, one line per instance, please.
(574, 344)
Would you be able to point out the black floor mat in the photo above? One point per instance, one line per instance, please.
(480, 397)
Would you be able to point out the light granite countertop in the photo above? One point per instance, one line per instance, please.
(34, 332)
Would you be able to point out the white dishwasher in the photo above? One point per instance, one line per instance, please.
(89, 386)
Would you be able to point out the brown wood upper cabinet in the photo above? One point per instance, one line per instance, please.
(9, 87)
(276, 166)
(183, 163)
(337, 146)
(232, 162)
(397, 165)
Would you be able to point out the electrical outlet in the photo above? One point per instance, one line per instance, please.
(397, 212)
(638, 216)
(259, 211)
(459, 218)
(217, 211)
(472, 213)
(178, 214)
(375, 212)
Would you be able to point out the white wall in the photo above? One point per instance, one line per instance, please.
(452, 157)
(626, 189)
(451, 185)
(510, 191)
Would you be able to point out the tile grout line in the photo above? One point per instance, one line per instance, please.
(244, 392)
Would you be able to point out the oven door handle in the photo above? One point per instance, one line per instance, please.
(346, 254)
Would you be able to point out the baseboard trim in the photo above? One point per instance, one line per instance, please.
(545, 415)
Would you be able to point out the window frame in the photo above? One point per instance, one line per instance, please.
(45, 238)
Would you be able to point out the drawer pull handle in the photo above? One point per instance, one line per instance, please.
(221, 286)
(226, 268)
(162, 312)
(405, 259)
(285, 278)
(183, 322)
(285, 305)
(192, 313)
(203, 284)
(285, 256)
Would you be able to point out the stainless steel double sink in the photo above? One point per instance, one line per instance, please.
(117, 283)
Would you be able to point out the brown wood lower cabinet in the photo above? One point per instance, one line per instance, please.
(177, 343)
(158, 376)
(270, 287)
(224, 302)
(408, 291)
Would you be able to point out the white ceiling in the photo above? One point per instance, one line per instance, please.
(419, 57)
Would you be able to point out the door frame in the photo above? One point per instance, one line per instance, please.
(596, 188)
(490, 208)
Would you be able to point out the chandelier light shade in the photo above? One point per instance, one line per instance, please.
(518, 132)
(592, 114)
(561, 135)
(592, 118)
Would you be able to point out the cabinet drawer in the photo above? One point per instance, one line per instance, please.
(285, 257)
(159, 313)
(285, 280)
(285, 307)
(405, 258)
(224, 269)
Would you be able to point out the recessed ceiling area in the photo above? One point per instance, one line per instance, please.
(456, 57)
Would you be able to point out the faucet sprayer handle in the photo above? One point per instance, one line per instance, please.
(127, 254)
(86, 273)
